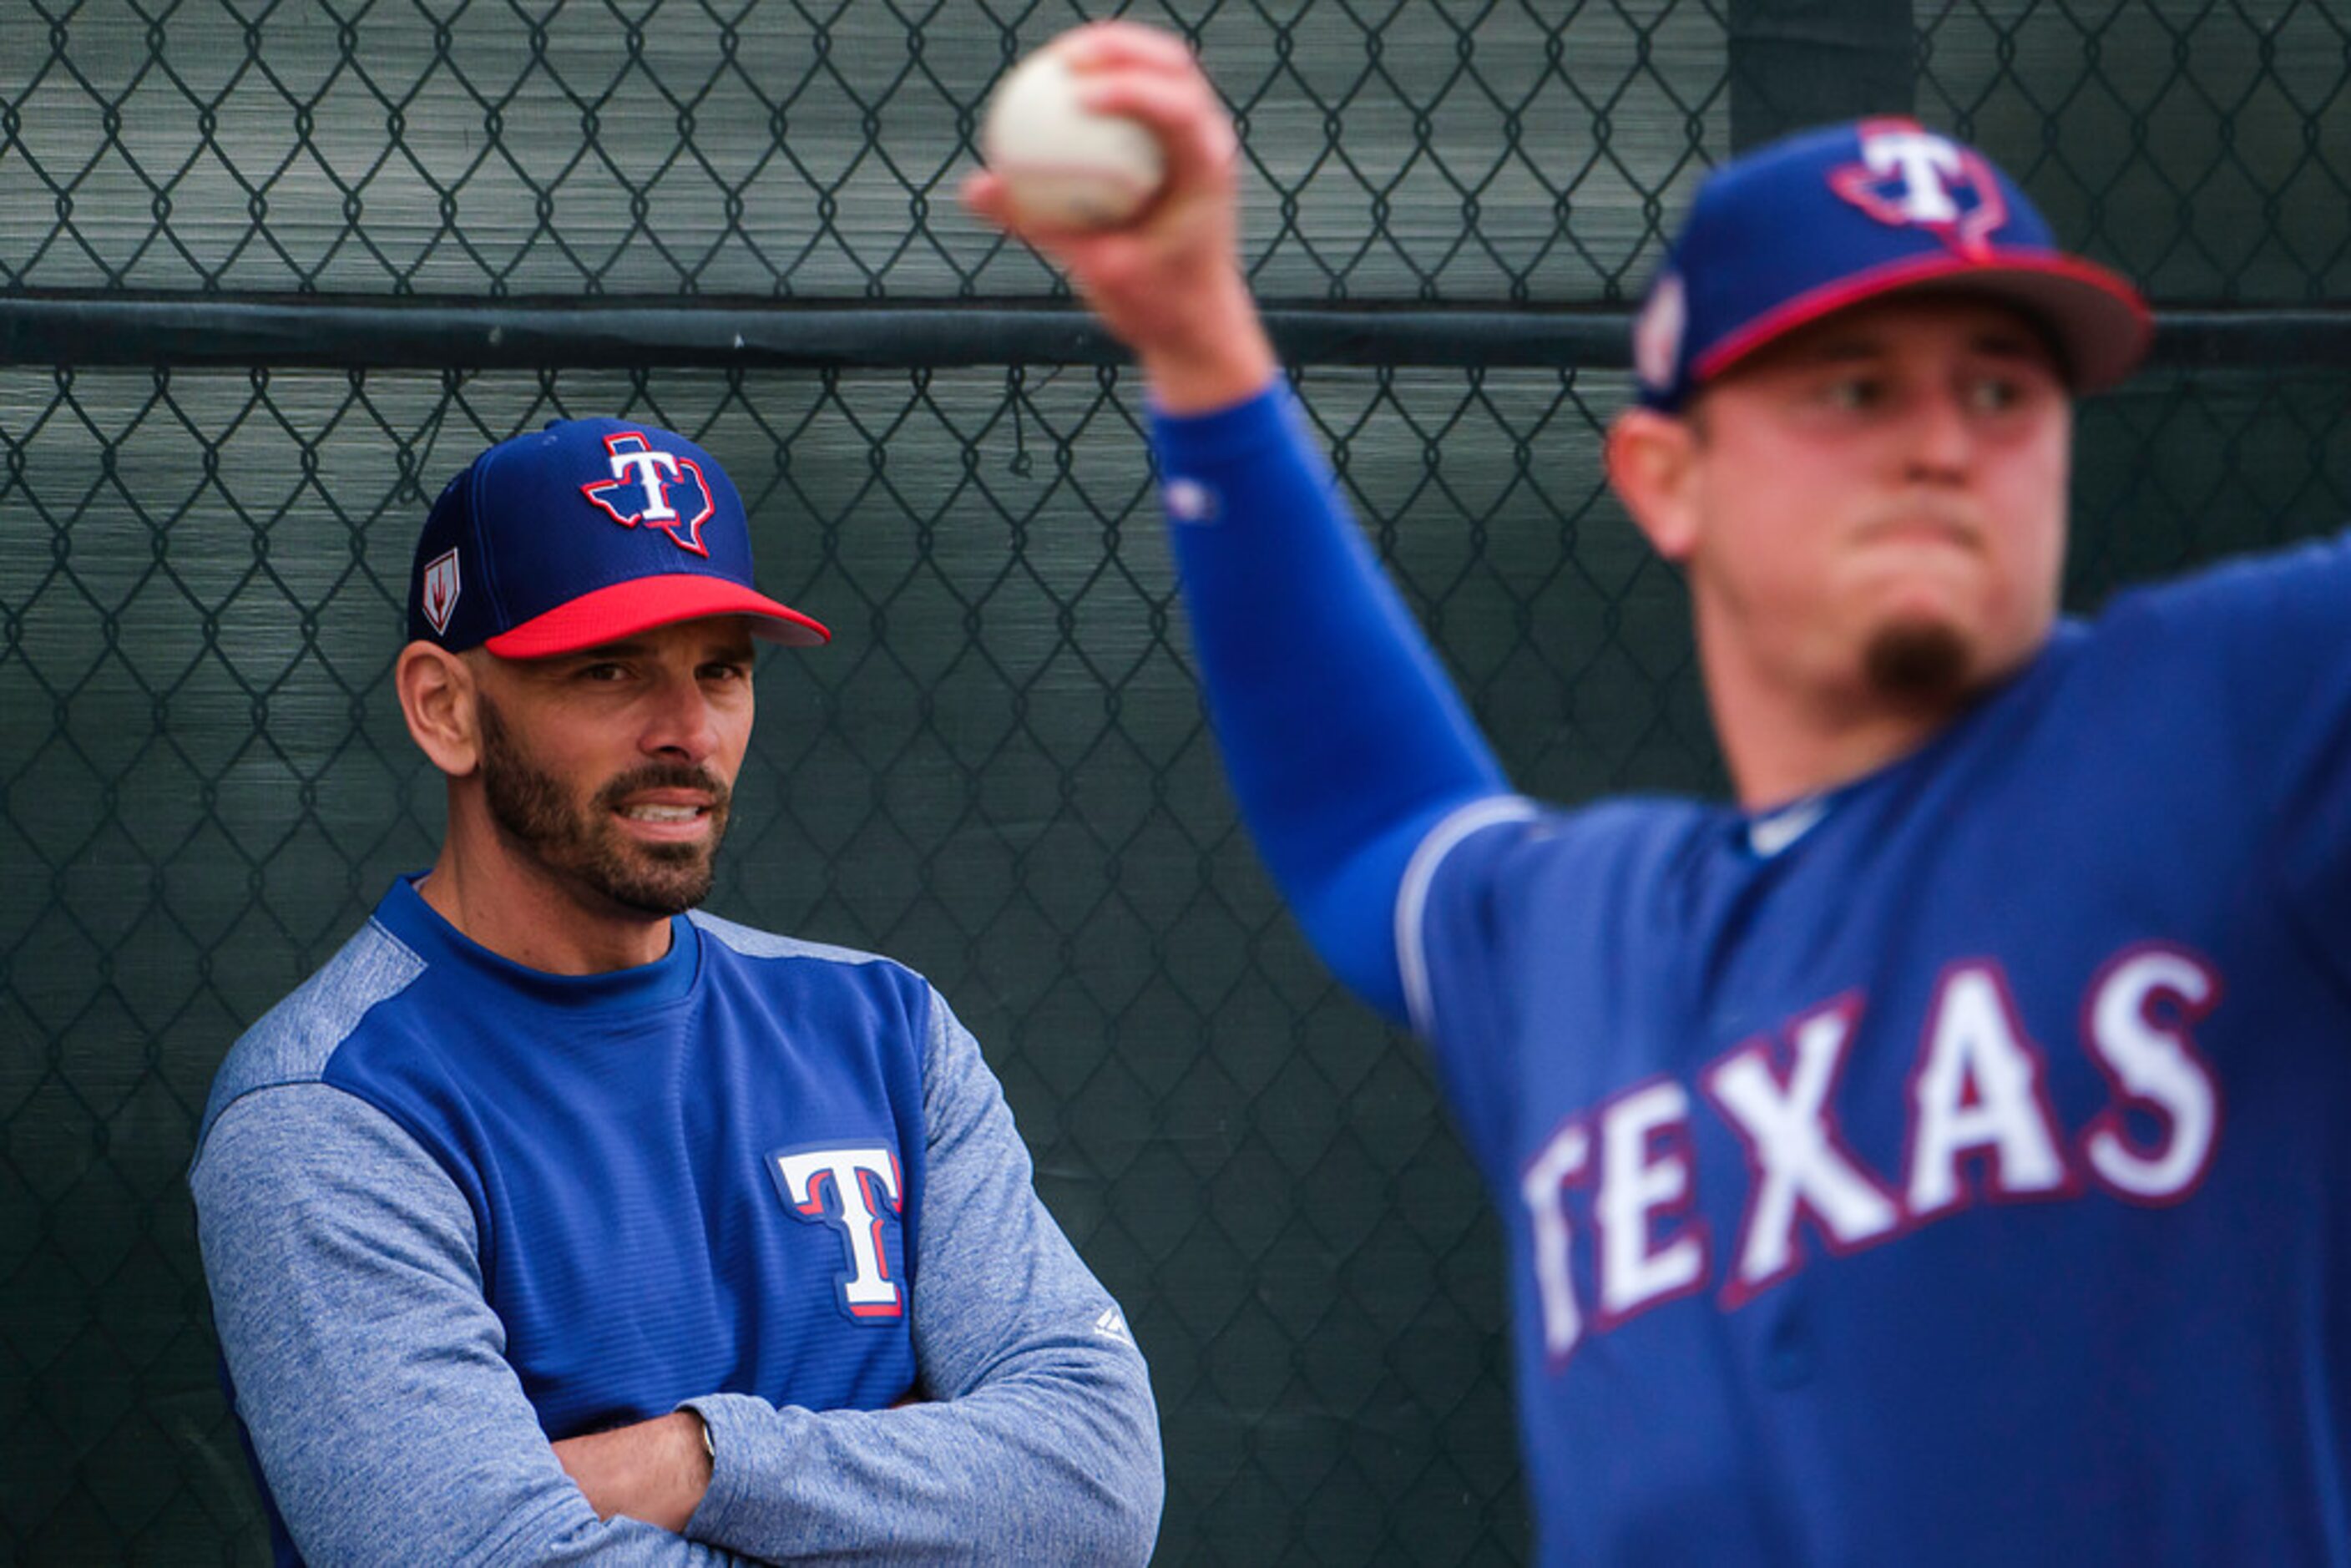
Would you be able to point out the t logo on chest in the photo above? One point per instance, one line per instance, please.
(852, 1190)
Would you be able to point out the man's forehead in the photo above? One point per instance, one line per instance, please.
(707, 630)
(708, 634)
(1887, 326)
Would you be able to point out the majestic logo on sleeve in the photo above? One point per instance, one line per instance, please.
(441, 589)
(1910, 177)
(856, 1191)
(1978, 1128)
(663, 490)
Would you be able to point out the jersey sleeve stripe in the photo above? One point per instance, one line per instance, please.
(1420, 874)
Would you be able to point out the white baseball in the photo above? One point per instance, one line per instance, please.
(1065, 166)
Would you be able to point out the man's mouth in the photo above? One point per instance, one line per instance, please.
(1921, 527)
(649, 812)
(677, 816)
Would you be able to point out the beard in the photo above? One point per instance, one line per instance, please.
(1917, 663)
(581, 844)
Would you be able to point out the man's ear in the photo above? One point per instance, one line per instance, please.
(438, 697)
(1653, 461)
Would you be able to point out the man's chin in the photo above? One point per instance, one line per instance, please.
(661, 899)
(657, 880)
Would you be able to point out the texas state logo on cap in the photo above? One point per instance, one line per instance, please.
(584, 533)
(1826, 219)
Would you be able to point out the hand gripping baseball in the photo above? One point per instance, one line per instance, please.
(1167, 284)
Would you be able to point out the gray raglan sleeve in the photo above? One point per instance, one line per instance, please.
(1039, 1442)
(368, 1367)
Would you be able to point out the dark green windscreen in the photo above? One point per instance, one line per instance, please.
(998, 771)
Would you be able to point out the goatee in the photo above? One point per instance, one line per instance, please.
(582, 843)
(1919, 663)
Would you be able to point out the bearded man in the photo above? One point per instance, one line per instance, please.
(552, 1220)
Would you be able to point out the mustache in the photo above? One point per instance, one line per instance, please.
(666, 775)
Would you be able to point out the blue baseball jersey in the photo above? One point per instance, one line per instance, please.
(1948, 1169)
(453, 1208)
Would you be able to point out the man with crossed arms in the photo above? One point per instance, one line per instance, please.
(555, 1221)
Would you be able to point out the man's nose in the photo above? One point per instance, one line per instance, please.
(1942, 439)
(681, 720)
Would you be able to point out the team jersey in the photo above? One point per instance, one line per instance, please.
(1947, 1169)
(452, 1208)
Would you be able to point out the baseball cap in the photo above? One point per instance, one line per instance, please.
(1829, 218)
(582, 533)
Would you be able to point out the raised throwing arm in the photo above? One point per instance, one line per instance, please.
(1345, 741)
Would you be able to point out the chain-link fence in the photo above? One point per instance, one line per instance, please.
(269, 272)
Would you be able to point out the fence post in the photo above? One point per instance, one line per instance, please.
(1795, 63)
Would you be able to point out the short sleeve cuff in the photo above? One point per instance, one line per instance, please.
(1420, 877)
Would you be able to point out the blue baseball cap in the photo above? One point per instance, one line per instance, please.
(1826, 219)
(584, 533)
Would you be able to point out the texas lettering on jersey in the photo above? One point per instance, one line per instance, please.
(1979, 1127)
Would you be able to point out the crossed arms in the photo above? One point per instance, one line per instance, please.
(369, 1373)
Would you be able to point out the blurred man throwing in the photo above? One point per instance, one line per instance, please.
(1937, 1156)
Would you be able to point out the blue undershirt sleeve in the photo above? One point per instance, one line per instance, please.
(1343, 739)
(367, 1367)
(1036, 1440)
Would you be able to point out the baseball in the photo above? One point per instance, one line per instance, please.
(1062, 165)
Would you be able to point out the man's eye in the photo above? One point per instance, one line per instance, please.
(1994, 394)
(602, 674)
(1853, 394)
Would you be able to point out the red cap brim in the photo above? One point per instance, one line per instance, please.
(2102, 325)
(625, 608)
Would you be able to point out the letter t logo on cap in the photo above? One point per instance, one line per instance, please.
(638, 464)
